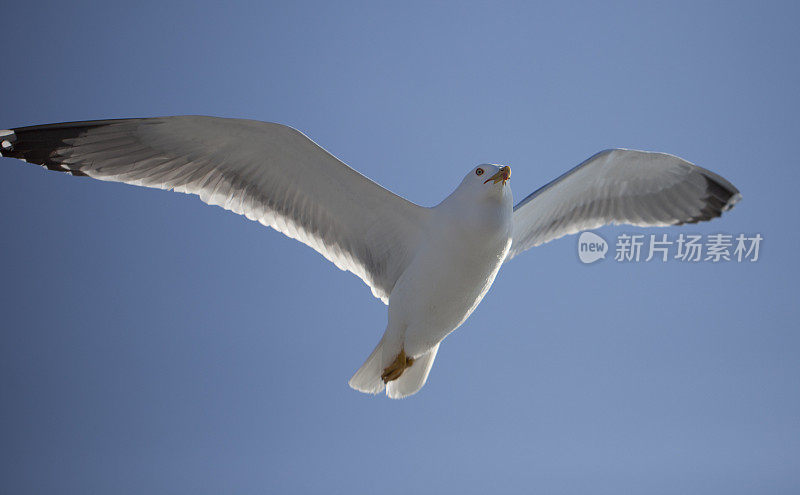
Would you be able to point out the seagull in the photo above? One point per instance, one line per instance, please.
(432, 266)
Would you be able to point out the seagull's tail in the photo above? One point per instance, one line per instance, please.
(368, 378)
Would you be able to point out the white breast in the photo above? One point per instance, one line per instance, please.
(453, 270)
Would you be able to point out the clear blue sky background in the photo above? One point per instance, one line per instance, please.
(153, 344)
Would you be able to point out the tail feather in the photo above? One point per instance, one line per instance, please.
(368, 377)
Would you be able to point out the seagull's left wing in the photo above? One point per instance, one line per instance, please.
(267, 172)
(620, 186)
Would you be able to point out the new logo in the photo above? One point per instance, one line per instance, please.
(591, 247)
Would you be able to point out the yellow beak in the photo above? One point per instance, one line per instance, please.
(502, 175)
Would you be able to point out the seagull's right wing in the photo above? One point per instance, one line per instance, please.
(618, 186)
(267, 172)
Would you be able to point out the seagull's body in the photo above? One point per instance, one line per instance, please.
(467, 237)
(432, 266)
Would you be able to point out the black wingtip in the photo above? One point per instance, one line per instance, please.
(720, 197)
(38, 144)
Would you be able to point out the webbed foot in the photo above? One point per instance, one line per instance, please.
(398, 366)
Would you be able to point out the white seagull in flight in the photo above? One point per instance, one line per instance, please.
(432, 266)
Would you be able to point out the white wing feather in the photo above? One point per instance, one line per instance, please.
(620, 186)
(267, 172)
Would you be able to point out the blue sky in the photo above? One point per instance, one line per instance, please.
(153, 344)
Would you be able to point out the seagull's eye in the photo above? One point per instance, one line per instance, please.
(479, 171)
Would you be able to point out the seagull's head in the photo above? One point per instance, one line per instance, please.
(484, 186)
(487, 182)
(487, 177)
(482, 199)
